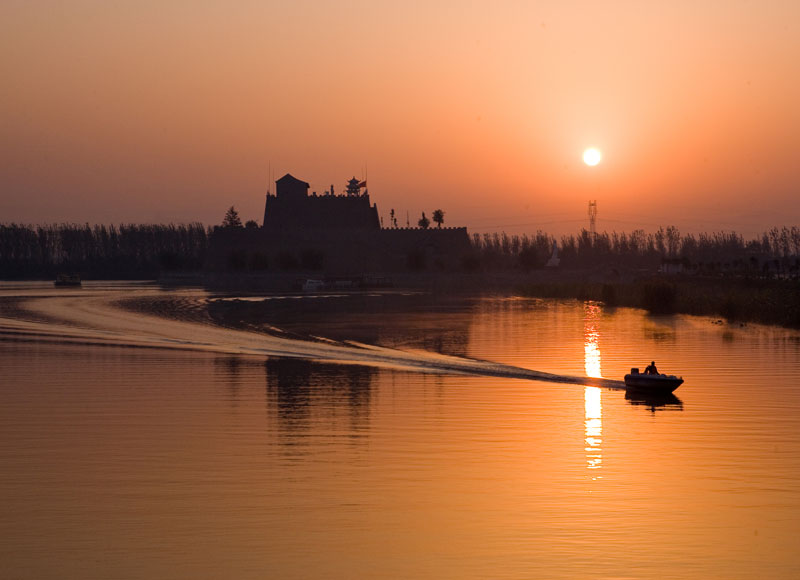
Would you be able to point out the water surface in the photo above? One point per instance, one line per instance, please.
(137, 449)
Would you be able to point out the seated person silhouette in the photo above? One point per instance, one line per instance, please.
(651, 369)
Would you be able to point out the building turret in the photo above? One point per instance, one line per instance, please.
(292, 209)
(289, 187)
(353, 187)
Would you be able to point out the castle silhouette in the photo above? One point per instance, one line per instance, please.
(332, 235)
(292, 208)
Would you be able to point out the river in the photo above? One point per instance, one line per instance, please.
(151, 433)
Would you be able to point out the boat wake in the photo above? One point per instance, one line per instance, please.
(105, 317)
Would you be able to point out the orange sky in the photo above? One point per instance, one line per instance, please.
(157, 111)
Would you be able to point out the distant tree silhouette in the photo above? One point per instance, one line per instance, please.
(393, 219)
(424, 222)
(438, 217)
(125, 251)
(145, 250)
(251, 224)
(232, 219)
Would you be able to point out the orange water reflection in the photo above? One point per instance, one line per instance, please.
(593, 427)
(311, 470)
(593, 423)
(591, 335)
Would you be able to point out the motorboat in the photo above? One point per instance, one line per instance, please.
(655, 384)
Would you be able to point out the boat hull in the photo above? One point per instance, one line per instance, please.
(653, 384)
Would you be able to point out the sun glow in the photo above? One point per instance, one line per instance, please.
(592, 156)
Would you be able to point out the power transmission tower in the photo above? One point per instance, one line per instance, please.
(593, 219)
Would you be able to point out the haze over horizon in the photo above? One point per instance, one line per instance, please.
(173, 111)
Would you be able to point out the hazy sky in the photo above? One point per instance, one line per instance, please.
(158, 111)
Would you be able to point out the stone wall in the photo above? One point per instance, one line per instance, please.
(339, 251)
(286, 213)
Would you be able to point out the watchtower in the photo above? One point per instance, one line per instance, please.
(353, 187)
(289, 187)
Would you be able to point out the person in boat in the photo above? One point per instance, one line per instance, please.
(651, 369)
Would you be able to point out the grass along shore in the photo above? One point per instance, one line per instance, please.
(762, 301)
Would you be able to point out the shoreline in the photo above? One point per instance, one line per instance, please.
(759, 301)
(767, 301)
(737, 299)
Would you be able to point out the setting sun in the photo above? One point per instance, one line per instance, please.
(592, 156)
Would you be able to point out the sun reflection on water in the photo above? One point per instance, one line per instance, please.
(593, 427)
(592, 395)
(591, 335)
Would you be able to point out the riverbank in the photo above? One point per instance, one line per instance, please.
(737, 299)
(762, 301)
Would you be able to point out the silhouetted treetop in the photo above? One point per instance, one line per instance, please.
(424, 222)
(438, 217)
(232, 219)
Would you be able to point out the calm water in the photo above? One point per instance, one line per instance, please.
(192, 461)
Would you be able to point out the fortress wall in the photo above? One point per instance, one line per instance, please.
(335, 235)
(339, 252)
(320, 212)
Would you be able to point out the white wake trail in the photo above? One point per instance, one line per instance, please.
(94, 318)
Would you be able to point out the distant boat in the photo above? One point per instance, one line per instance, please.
(313, 285)
(67, 280)
(652, 384)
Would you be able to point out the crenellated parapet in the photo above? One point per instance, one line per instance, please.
(291, 208)
(419, 229)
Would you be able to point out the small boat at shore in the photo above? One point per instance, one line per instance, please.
(652, 384)
(67, 280)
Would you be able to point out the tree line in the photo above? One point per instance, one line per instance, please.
(144, 251)
(127, 251)
(777, 250)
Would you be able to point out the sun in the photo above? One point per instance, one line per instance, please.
(592, 156)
